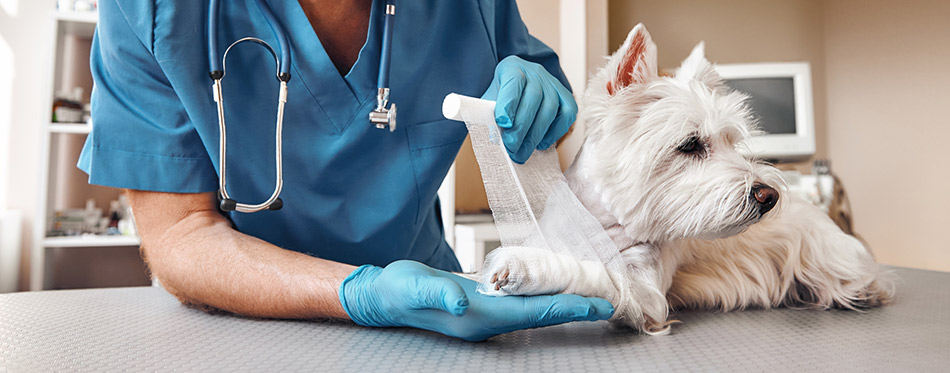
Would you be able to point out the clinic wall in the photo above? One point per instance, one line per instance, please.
(6, 100)
(25, 28)
(880, 91)
(888, 115)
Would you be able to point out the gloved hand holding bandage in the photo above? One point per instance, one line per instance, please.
(408, 293)
(533, 108)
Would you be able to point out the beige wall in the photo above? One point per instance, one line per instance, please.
(888, 65)
(881, 79)
(543, 20)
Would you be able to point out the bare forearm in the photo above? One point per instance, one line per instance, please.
(198, 257)
(220, 267)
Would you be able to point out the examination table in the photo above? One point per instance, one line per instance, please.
(146, 329)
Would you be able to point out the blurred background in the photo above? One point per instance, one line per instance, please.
(880, 88)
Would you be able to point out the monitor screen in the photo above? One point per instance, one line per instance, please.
(772, 100)
(781, 101)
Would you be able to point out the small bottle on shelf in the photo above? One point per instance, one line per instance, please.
(67, 107)
(113, 219)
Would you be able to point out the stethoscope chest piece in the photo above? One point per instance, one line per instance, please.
(383, 117)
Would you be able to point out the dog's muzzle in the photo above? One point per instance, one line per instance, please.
(764, 196)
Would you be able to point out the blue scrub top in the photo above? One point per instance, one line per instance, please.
(352, 193)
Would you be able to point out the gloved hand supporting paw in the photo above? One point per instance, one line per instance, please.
(411, 294)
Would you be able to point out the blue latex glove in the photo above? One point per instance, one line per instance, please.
(408, 293)
(532, 107)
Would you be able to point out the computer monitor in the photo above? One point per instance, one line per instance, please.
(781, 101)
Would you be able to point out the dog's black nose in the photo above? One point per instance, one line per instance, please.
(765, 196)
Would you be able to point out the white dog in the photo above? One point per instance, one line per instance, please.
(698, 224)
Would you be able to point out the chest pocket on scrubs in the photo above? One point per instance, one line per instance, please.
(433, 147)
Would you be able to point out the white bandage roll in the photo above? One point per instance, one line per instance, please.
(452, 105)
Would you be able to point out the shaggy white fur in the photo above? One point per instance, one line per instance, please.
(661, 171)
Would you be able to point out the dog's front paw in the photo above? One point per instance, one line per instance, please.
(517, 271)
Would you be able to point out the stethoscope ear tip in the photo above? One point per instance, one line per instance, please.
(227, 204)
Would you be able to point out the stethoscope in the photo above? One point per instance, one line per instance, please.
(382, 116)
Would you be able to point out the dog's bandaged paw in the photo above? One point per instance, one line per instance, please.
(517, 271)
(535, 271)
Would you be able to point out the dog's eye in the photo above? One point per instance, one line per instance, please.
(692, 145)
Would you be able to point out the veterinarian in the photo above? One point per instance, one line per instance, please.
(359, 236)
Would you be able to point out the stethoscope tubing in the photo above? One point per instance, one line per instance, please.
(384, 58)
(218, 71)
(223, 143)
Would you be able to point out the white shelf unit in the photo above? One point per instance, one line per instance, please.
(82, 24)
(90, 241)
(85, 20)
(80, 128)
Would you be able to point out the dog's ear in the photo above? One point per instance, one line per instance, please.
(697, 67)
(634, 62)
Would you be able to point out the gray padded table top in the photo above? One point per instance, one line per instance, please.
(146, 329)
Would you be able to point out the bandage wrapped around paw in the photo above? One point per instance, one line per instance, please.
(534, 209)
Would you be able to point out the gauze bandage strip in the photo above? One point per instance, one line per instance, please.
(531, 203)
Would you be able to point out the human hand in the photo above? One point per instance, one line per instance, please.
(532, 107)
(408, 293)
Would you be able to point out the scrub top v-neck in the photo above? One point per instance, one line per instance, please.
(339, 96)
(352, 193)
